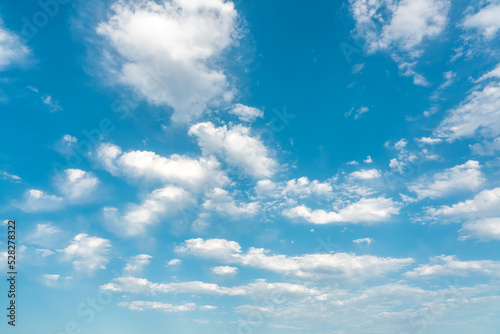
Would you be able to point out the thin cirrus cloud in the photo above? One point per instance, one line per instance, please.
(166, 51)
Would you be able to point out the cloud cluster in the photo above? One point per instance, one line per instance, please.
(309, 266)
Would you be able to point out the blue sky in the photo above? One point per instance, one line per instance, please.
(211, 166)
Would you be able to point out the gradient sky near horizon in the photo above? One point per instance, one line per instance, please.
(187, 166)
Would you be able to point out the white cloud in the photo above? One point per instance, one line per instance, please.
(477, 115)
(12, 50)
(136, 264)
(225, 270)
(357, 112)
(43, 234)
(3, 260)
(168, 308)
(265, 188)
(77, 184)
(495, 73)
(485, 20)
(177, 169)
(366, 174)
(450, 266)
(87, 253)
(11, 177)
(483, 229)
(483, 205)
(246, 113)
(309, 266)
(368, 160)
(220, 201)
(467, 176)
(302, 187)
(259, 289)
(366, 210)
(54, 280)
(37, 200)
(237, 147)
(368, 241)
(53, 105)
(400, 28)
(174, 262)
(429, 140)
(159, 203)
(167, 51)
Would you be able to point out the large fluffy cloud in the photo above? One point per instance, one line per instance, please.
(167, 51)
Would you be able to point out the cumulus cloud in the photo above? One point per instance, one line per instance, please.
(366, 210)
(309, 266)
(236, 146)
(450, 266)
(176, 169)
(483, 205)
(302, 187)
(246, 113)
(76, 184)
(159, 203)
(167, 50)
(12, 49)
(467, 176)
(366, 174)
(37, 200)
(368, 241)
(136, 264)
(220, 201)
(483, 229)
(225, 270)
(43, 234)
(87, 253)
(55, 280)
(174, 262)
